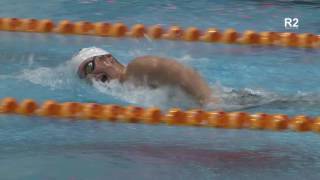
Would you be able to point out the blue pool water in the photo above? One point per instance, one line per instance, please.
(252, 79)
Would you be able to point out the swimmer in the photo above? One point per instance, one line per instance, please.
(152, 71)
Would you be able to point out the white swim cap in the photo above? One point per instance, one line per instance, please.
(86, 53)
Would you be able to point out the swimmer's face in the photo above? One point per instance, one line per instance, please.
(101, 68)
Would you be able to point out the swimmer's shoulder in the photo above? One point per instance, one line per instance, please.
(152, 58)
(141, 65)
(147, 61)
(154, 61)
(152, 66)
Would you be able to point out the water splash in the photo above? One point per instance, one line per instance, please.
(231, 99)
(63, 78)
(164, 97)
(54, 78)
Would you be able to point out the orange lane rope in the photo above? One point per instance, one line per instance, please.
(175, 116)
(191, 34)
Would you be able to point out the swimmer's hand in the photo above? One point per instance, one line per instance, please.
(156, 71)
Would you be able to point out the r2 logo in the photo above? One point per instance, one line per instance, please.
(291, 23)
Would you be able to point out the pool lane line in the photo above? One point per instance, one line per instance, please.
(156, 32)
(153, 116)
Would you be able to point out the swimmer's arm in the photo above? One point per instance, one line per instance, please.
(157, 71)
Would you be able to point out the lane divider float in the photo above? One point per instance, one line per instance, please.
(191, 34)
(174, 116)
